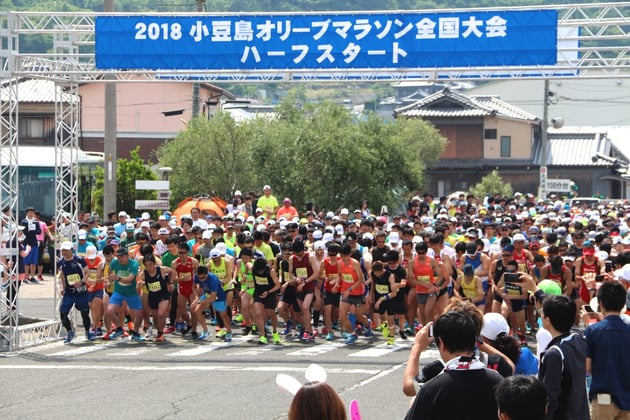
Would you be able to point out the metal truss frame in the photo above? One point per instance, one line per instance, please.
(594, 43)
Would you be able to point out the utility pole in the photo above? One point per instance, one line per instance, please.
(110, 145)
(542, 188)
(201, 5)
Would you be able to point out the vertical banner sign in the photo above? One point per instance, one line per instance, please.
(327, 41)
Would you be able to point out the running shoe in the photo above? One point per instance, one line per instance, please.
(98, 332)
(40, 277)
(115, 334)
(325, 330)
(254, 329)
(305, 337)
(90, 336)
(247, 330)
(228, 337)
(69, 337)
(315, 332)
(194, 335)
(330, 336)
(367, 332)
(391, 340)
(287, 329)
(352, 339)
(238, 318)
(169, 330)
(149, 332)
(204, 335)
(221, 333)
(262, 340)
(276, 337)
(379, 328)
(137, 337)
(160, 338)
(214, 322)
(403, 335)
(186, 330)
(34, 280)
(345, 335)
(385, 329)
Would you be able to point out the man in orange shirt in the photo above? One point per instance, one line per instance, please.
(287, 210)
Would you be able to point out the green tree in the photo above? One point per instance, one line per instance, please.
(325, 154)
(209, 157)
(492, 184)
(127, 172)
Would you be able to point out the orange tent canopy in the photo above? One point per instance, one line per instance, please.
(208, 205)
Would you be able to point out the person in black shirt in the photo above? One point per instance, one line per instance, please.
(465, 390)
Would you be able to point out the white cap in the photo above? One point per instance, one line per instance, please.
(172, 223)
(250, 219)
(161, 217)
(623, 274)
(90, 252)
(493, 325)
(214, 253)
(82, 234)
(344, 211)
(162, 231)
(319, 245)
(266, 187)
(122, 213)
(130, 226)
(518, 237)
(317, 234)
(394, 238)
(328, 237)
(221, 247)
(339, 229)
(66, 245)
(206, 234)
(145, 224)
(237, 192)
(145, 216)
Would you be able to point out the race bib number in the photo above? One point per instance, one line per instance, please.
(92, 277)
(154, 287)
(186, 276)
(347, 278)
(423, 279)
(301, 272)
(382, 289)
(261, 281)
(73, 278)
(512, 289)
(522, 267)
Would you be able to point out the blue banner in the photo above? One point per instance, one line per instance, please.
(327, 41)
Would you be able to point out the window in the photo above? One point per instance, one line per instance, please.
(506, 146)
(31, 128)
(490, 134)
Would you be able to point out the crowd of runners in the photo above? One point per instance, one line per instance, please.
(271, 273)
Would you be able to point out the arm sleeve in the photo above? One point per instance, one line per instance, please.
(551, 377)
(422, 407)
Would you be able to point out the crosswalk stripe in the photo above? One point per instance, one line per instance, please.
(198, 350)
(80, 350)
(127, 353)
(378, 351)
(315, 350)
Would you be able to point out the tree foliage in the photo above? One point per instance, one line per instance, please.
(127, 172)
(320, 153)
(209, 157)
(492, 184)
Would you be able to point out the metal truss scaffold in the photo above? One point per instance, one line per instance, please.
(593, 42)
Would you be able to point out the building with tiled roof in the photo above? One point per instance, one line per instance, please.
(485, 133)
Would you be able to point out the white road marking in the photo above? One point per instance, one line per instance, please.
(379, 375)
(316, 350)
(198, 350)
(204, 367)
(377, 351)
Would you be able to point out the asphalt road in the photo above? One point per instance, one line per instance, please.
(184, 378)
